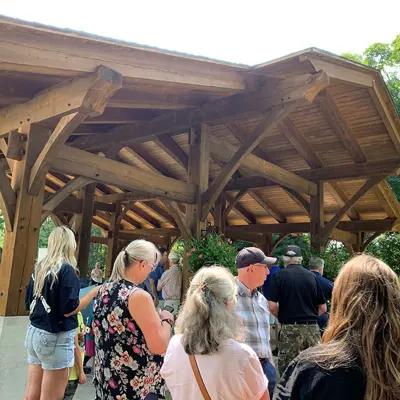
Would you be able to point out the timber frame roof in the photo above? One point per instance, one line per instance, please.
(347, 134)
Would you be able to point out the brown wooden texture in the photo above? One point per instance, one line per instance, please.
(85, 229)
(20, 245)
(113, 234)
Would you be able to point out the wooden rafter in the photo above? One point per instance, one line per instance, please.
(287, 128)
(225, 110)
(392, 124)
(298, 199)
(234, 201)
(173, 150)
(160, 212)
(262, 168)
(339, 215)
(75, 162)
(340, 196)
(342, 172)
(72, 186)
(390, 203)
(267, 206)
(340, 127)
(124, 197)
(381, 225)
(243, 213)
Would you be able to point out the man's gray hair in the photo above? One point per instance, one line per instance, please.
(292, 260)
(316, 263)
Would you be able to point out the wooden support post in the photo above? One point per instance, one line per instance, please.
(267, 247)
(20, 245)
(220, 214)
(113, 233)
(198, 170)
(85, 229)
(317, 218)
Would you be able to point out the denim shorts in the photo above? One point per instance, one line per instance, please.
(50, 350)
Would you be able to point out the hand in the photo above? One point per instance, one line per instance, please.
(81, 337)
(164, 314)
(82, 378)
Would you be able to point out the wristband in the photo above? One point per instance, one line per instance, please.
(168, 321)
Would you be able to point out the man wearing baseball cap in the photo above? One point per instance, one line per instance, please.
(296, 299)
(252, 307)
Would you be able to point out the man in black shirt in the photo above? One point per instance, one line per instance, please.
(296, 299)
(317, 268)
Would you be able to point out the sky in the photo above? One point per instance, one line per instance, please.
(247, 31)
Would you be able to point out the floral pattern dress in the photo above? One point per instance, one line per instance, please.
(124, 367)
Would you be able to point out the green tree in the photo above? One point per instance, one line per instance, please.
(386, 58)
(387, 248)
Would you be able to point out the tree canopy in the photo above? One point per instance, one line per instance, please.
(386, 58)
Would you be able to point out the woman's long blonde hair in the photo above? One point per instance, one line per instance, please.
(61, 248)
(207, 317)
(364, 326)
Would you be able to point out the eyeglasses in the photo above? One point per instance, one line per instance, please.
(152, 265)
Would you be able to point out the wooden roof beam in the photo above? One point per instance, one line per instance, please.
(72, 95)
(234, 201)
(124, 197)
(340, 196)
(173, 150)
(388, 199)
(341, 172)
(328, 228)
(340, 126)
(260, 167)
(268, 207)
(77, 162)
(288, 129)
(224, 110)
(239, 209)
(299, 200)
(155, 208)
(381, 225)
(239, 155)
(103, 84)
(391, 122)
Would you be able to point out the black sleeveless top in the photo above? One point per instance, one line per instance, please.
(124, 366)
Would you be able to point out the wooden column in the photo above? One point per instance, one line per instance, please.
(85, 229)
(113, 233)
(267, 247)
(219, 214)
(317, 219)
(20, 245)
(198, 171)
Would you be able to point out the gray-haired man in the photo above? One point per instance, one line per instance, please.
(316, 265)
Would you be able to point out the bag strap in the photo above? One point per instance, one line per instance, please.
(198, 377)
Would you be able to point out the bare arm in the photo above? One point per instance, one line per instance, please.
(84, 301)
(156, 333)
(322, 309)
(273, 308)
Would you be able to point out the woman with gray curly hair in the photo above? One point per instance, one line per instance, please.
(205, 359)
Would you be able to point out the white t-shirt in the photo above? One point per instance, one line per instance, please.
(234, 373)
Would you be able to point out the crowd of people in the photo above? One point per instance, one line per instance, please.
(217, 343)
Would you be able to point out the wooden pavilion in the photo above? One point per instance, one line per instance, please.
(144, 142)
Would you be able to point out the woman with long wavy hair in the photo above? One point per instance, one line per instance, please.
(359, 358)
(52, 297)
(207, 332)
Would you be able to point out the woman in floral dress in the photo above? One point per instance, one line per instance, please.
(130, 335)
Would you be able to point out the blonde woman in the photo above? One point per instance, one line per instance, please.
(359, 358)
(130, 335)
(171, 284)
(207, 329)
(52, 298)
